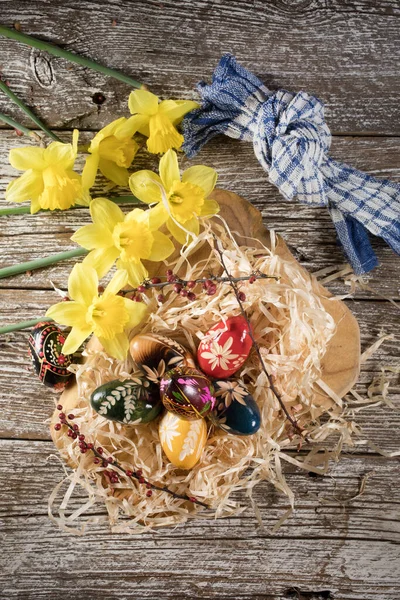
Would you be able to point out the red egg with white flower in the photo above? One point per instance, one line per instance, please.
(225, 347)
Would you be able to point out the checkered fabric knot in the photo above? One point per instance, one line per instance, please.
(291, 141)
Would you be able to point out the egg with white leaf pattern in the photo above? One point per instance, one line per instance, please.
(131, 401)
(182, 441)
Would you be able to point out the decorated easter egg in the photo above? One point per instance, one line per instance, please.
(187, 393)
(182, 441)
(225, 347)
(49, 363)
(156, 354)
(235, 410)
(131, 401)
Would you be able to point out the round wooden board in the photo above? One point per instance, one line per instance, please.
(341, 363)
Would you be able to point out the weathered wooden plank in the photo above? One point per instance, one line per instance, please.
(381, 424)
(345, 52)
(43, 563)
(309, 231)
(325, 507)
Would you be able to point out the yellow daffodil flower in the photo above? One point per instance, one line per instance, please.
(49, 181)
(112, 150)
(179, 201)
(109, 316)
(158, 120)
(127, 239)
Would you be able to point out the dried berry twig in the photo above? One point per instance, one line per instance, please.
(240, 297)
(99, 457)
(185, 287)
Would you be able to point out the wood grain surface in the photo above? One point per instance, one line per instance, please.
(343, 541)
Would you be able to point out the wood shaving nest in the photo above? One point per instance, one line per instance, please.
(293, 330)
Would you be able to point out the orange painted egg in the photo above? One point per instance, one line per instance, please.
(225, 348)
(182, 441)
(187, 393)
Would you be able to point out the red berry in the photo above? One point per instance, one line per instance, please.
(104, 463)
(171, 278)
(192, 499)
(129, 473)
(71, 416)
(184, 293)
(70, 432)
(110, 459)
(161, 298)
(208, 283)
(74, 436)
(211, 290)
(83, 450)
(76, 427)
(169, 273)
(57, 426)
(149, 493)
(138, 298)
(155, 280)
(61, 416)
(59, 407)
(191, 284)
(89, 446)
(100, 450)
(100, 289)
(96, 460)
(191, 296)
(177, 288)
(142, 480)
(81, 438)
(148, 485)
(242, 296)
(252, 279)
(65, 299)
(139, 472)
(141, 289)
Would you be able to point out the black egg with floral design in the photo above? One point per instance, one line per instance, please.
(235, 409)
(188, 393)
(49, 363)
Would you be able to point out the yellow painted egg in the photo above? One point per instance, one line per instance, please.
(182, 441)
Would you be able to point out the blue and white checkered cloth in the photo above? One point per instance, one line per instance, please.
(291, 141)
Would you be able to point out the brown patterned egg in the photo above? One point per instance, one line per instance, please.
(187, 393)
(158, 354)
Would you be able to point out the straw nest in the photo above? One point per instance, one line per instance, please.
(293, 329)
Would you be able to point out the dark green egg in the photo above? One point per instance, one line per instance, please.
(132, 401)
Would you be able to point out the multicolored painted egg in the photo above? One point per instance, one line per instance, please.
(132, 401)
(49, 363)
(225, 347)
(156, 354)
(182, 441)
(187, 393)
(235, 410)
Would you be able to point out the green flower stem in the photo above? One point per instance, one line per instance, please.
(22, 325)
(22, 128)
(4, 88)
(19, 210)
(26, 210)
(56, 51)
(41, 262)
